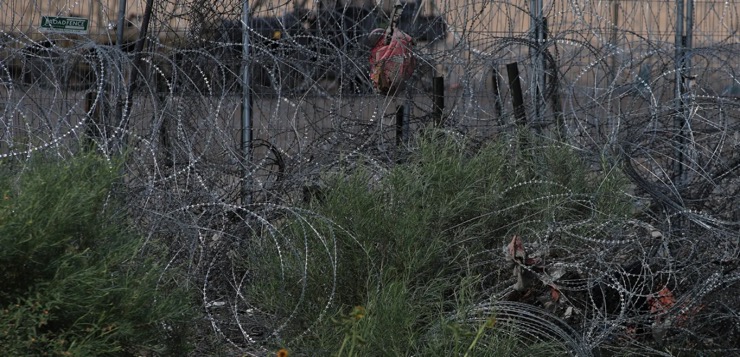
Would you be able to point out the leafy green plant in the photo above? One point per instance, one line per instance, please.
(410, 243)
(75, 278)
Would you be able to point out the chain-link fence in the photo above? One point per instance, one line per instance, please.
(648, 87)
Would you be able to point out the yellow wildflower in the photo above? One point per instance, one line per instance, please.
(358, 313)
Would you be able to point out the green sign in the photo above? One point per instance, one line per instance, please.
(64, 24)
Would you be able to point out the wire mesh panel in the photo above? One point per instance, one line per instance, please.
(630, 86)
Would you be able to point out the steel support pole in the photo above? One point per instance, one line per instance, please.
(679, 47)
(613, 41)
(119, 45)
(438, 101)
(689, 37)
(246, 119)
(538, 77)
(679, 121)
(407, 115)
(121, 23)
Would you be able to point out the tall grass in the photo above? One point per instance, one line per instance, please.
(415, 245)
(75, 281)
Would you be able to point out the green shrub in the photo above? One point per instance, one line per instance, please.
(407, 243)
(75, 280)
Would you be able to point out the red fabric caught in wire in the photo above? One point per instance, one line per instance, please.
(391, 59)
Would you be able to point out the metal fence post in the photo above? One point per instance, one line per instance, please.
(246, 119)
(679, 47)
(438, 105)
(517, 95)
(538, 86)
(497, 105)
(399, 126)
(683, 41)
(119, 46)
(689, 35)
(121, 23)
